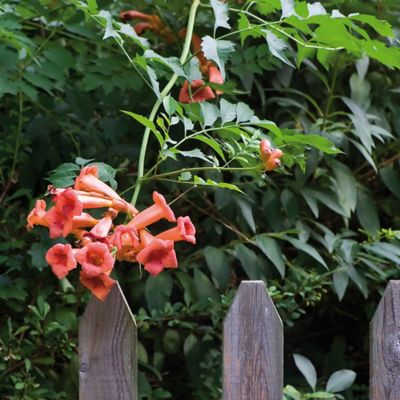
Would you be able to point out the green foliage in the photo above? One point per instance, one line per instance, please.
(322, 231)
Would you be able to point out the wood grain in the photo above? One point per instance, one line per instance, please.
(253, 346)
(385, 346)
(107, 350)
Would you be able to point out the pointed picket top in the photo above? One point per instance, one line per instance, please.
(385, 346)
(108, 350)
(253, 346)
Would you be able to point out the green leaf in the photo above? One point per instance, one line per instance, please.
(391, 179)
(243, 113)
(212, 143)
(381, 27)
(306, 248)
(210, 113)
(271, 249)
(128, 31)
(221, 14)
(217, 51)
(227, 111)
(340, 283)
(367, 213)
(209, 182)
(170, 105)
(92, 4)
(109, 32)
(307, 369)
(172, 63)
(147, 123)
(346, 187)
(204, 288)
(340, 380)
(218, 264)
(195, 153)
(317, 141)
(277, 47)
(158, 291)
(247, 212)
(251, 264)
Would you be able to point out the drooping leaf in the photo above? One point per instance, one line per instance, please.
(218, 264)
(220, 9)
(277, 47)
(218, 51)
(271, 249)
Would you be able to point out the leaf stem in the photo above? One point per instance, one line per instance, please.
(179, 171)
(163, 94)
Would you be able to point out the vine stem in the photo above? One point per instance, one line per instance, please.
(163, 94)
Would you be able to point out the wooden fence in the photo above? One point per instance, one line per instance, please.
(252, 349)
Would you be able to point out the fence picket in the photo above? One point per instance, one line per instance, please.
(108, 350)
(385, 346)
(253, 346)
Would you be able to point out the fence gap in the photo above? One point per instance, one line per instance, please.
(385, 346)
(108, 350)
(253, 346)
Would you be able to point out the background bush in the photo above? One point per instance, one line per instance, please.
(322, 233)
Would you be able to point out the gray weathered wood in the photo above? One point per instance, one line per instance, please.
(253, 346)
(385, 346)
(107, 350)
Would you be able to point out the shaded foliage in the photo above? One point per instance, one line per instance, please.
(322, 232)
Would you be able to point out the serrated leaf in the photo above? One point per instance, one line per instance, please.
(221, 14)
(251, 264)
(147, 123)
(210, 113)
(195, 153)
(227, 110)
(277, 47)
(243, 113)
(128, 30)
(212, 143)
(204, 288)
(110, 31)
(217, 51)
(306, 367)
(247, 212)
(340, 380)
(158, 291)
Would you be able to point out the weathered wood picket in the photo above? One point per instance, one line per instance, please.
(252, 350)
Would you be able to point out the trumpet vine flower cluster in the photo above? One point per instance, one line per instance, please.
(270, 157)
(100, 242)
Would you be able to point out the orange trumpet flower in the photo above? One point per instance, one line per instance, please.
(160, 209)
(152, 23)
(157, 253)
(270, 157)
(36, 216)
(61, 259)
(184, 230)
(198, 92)
(96, 258)
(100, 285)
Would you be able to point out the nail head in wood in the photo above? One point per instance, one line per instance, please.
(108, 350)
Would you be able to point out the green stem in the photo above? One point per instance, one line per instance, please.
(163, 94)
(179, 171)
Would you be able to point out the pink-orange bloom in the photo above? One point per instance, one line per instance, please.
(215, 76)
(84, 220)
(125, 236)
(36, 216)
(197, 94)
(153, 23)
(58, 224)
(157, 254)
(274, 161)
(96, 258)
(160, 209)
(184, 230)
(270, 157)
(102, 229)
(68, 204)
(100, 285)
(61, 259)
